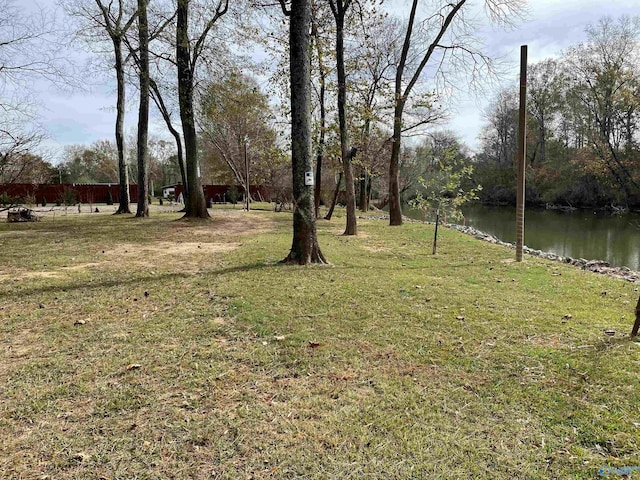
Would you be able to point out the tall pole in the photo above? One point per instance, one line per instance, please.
(520, 157)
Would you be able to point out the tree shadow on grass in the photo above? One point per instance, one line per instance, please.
(136, 281)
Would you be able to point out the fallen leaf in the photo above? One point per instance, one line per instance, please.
(279, 338)
(567, 316)
(79, 322)
(314, 344)
(134, 366)
(610, 333)
(460, 317)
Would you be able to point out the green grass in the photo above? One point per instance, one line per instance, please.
(201, 356)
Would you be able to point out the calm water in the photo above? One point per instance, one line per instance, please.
(581, 234)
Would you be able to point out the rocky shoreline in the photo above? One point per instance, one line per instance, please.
(596, 266)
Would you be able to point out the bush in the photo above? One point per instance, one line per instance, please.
(233, 195)
(5, 199)
(69, 197)
(30, 200)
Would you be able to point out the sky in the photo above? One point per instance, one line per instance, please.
(550, 26)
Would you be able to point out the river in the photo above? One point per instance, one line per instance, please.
(579, 234)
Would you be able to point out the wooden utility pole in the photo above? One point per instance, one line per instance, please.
(520, 157)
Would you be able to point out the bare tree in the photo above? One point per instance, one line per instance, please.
(606, 82)
(375, 58)
(339, 9)
(28, 50)
(188, 52)
(453, 42)
(143, 112)
(544, 87)
(113, 18)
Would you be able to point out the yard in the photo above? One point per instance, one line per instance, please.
(158, 348)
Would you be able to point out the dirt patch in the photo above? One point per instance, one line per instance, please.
(168, 249)
(376, 248)
(340, 231)
(224, 223)
(185, 256)
(19, 275)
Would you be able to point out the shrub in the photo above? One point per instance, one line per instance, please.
(69, 197)
(30, 200)
(233, 195)
(5, 199)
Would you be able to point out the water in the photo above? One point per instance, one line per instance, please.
(579, 234)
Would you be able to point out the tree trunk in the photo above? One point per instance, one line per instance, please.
(347, 153)
(157, 96)
(123, 170)
(197, 207)
(304, 247)
(543, 142)
(335, 199)
(636, 324)
(395, 210)
(321, 140)
(143, 115)
(323, 122)
(364, 197)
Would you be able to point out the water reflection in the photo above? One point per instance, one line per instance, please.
(590, 235)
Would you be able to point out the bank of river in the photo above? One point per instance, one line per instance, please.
(579, 234)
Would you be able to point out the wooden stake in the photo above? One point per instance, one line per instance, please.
(520, 157)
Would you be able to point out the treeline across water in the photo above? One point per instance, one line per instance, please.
(582, 126)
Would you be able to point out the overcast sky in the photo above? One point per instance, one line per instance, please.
(550, 27)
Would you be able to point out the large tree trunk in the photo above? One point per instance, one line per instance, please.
(347, 153)
(395, 210)
(304, 248)
(143, 115)
(123, 170)
(197, 207)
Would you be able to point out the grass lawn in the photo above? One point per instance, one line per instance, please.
(153, 349)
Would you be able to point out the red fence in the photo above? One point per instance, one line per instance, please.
(58, 193)
(99, 193)
(220, 193)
